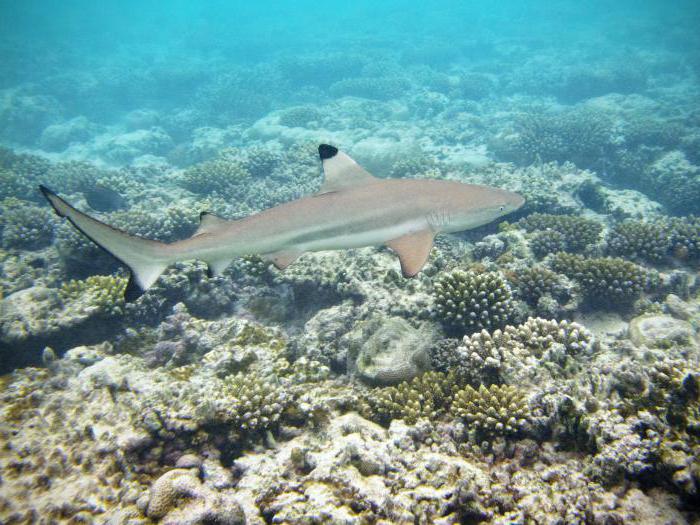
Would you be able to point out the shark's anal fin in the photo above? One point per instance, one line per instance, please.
(283, 258)
(413, 250)
(340, 170)
(208, 222)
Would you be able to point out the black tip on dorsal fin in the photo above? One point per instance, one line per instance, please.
(326, 151)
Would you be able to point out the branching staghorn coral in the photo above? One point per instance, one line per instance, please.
(496, 410)
(425, 396)
(248, 402)
(24, 226)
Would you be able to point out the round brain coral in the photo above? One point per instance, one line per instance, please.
(469, 301)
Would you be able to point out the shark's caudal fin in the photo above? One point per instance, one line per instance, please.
(146, 259)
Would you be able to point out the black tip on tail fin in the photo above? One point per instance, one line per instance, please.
(48, 194)
(133, 291)
(326, 151)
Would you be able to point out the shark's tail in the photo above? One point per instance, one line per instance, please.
(146, 259)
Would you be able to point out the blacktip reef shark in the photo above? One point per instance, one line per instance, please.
(353, 209)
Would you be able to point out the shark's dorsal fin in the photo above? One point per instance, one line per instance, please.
(283, 258)
(413, 250)
(340, 170)
(208, 222)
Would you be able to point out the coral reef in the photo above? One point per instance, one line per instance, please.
(224, 176)
(469, 301)
(576, 232)
(24, 226)
(578, 135)
(534, 282)
(684, 237)
(542, 371)
(605, 278)
(495, 410)
(178, 496)
(98, 295)
(507, 356)
(639, 241)
(425, 397)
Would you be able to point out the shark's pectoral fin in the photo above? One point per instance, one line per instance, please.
(283, 258)
(340, 170)
(413, 250)
(208, 222)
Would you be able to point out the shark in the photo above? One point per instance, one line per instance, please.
(353, 209)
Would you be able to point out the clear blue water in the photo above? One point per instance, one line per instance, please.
(147, 113)
(163, 55)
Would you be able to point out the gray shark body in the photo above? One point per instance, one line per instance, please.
(353, 209)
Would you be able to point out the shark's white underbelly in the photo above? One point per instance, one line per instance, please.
(369, 237)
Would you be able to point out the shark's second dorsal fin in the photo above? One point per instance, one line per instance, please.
(208, 222)
(340, 170)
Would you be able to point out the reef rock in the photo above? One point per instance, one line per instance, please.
(659, 330)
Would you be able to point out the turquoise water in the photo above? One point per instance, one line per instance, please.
(541, 366)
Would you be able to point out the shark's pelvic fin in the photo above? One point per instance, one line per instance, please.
(208, 222)
(146, 259)
(282, 259)
(413, 250)
(340, 170)
(216, 268)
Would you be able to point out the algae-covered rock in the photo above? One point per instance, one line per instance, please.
(28, 313)
(389, 350)
(659, 330)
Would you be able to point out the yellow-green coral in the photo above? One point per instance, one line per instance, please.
(247, 401)
(496, 410)
(421, 397)
(98, 295)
